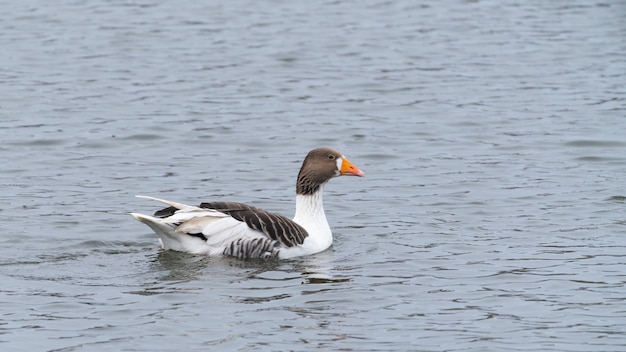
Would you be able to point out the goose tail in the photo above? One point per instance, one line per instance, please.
(169, 238)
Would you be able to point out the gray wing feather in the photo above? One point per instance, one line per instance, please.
(276, 227)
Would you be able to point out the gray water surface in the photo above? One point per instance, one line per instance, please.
(491, 218)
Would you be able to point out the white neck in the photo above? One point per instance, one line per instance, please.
(310, 215)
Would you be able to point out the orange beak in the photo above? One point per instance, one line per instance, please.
(348, 169)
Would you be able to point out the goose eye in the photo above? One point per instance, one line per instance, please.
(331, 157)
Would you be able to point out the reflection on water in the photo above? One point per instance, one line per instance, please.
(319, 269)
(184, 267)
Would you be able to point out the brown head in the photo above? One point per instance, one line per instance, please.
(319, 166)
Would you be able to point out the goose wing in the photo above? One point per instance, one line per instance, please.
(276, 227)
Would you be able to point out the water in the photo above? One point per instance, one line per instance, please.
(491, 133)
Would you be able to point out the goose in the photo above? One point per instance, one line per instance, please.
(242, 231)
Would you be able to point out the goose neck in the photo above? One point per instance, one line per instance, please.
(310, 208)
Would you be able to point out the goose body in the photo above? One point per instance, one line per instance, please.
(243, 231)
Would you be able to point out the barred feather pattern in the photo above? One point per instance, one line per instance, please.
(277, 227)
(253, 248)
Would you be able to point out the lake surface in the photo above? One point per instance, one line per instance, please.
(492, 134)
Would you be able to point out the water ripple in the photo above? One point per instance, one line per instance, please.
(491, 134)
